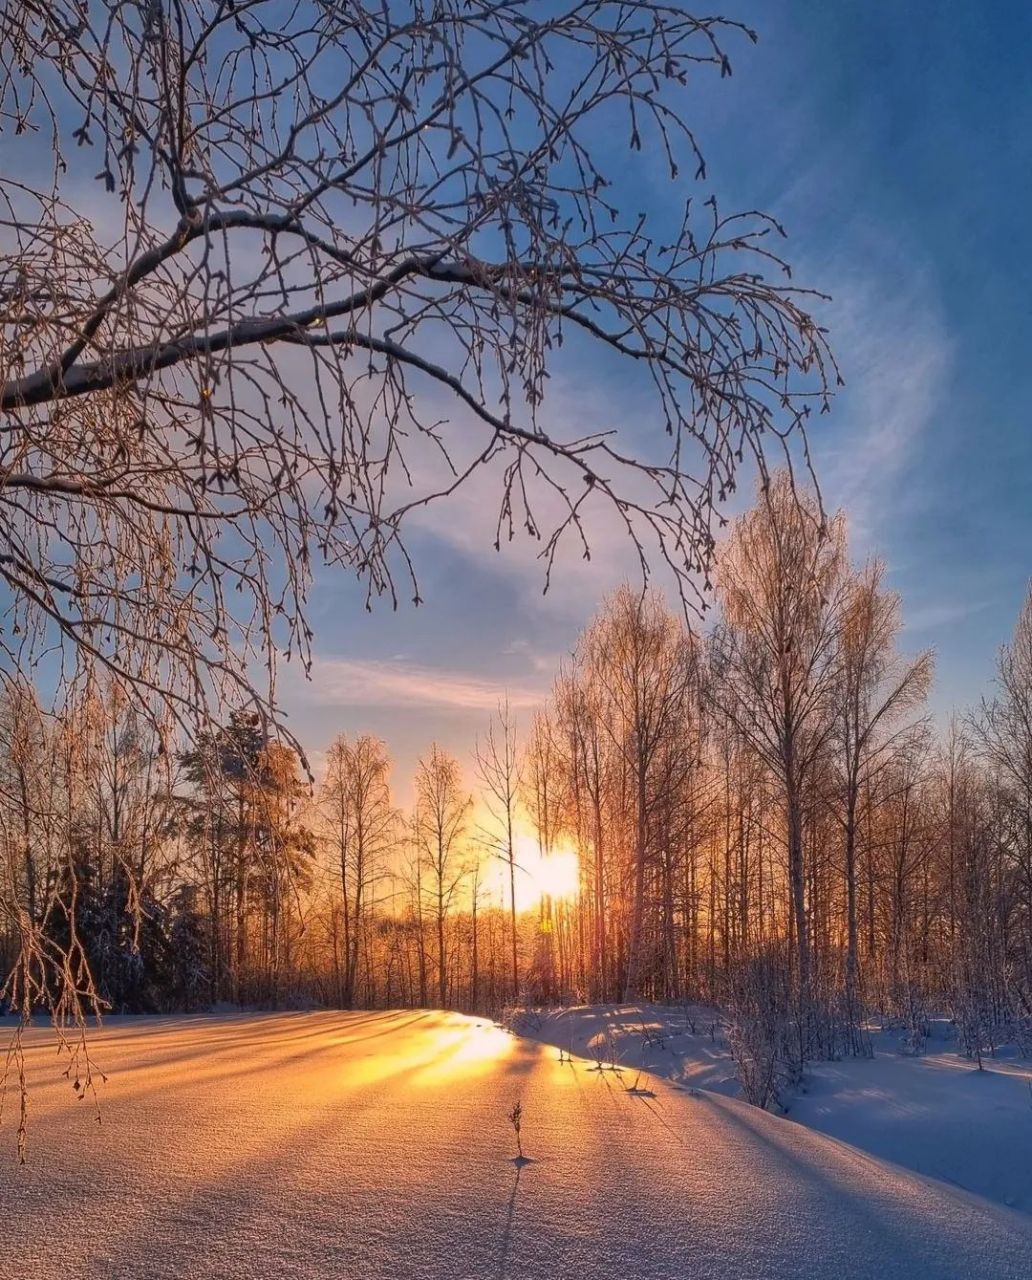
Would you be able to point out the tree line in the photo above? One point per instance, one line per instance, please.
(764, 817)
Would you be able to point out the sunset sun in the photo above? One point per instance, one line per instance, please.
(544, 875)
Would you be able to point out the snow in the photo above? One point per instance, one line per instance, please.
(377, 1145)
(935, 1114)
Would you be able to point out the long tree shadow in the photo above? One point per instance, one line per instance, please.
(507, 1226)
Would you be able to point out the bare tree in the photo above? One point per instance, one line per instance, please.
(500, 771)
(276, 249)
(1003, 732)
(439, 828)
(588, 770)
(361, 825)
(645, 666)
(618, 734)
(776, 660)
(879, 688)
(32, 781)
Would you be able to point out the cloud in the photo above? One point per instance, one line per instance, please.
(544, 662)
(895, 355)
(347, 682)
(467, 522)
(931, 616)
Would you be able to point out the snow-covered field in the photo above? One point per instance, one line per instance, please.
(377, 1145)
(935, 1114)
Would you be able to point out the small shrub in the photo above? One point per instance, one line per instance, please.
(515, 1118)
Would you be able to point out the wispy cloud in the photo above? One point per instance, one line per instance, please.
(346, 682)
(538, 661)
(895, 355)
(930, 616)
(579, 404)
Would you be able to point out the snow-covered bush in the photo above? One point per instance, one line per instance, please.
(762, 1029)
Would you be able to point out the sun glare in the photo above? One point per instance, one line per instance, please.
(544, 875)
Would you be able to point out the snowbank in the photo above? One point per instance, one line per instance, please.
(935, 1114)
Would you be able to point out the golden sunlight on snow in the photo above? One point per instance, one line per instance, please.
(463, 1051)
(380, 1145)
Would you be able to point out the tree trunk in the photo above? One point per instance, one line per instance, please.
(638, 906)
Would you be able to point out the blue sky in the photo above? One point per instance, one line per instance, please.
(895, 144)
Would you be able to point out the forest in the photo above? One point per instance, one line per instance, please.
(763, 814)
(363, 913)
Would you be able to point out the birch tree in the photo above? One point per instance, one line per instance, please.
(361, 826)
(879, 688)
(1003, 732)
(781, 585)
(440, 828)
(500, 771)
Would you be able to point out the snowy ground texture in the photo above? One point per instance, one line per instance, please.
(377, 1145)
